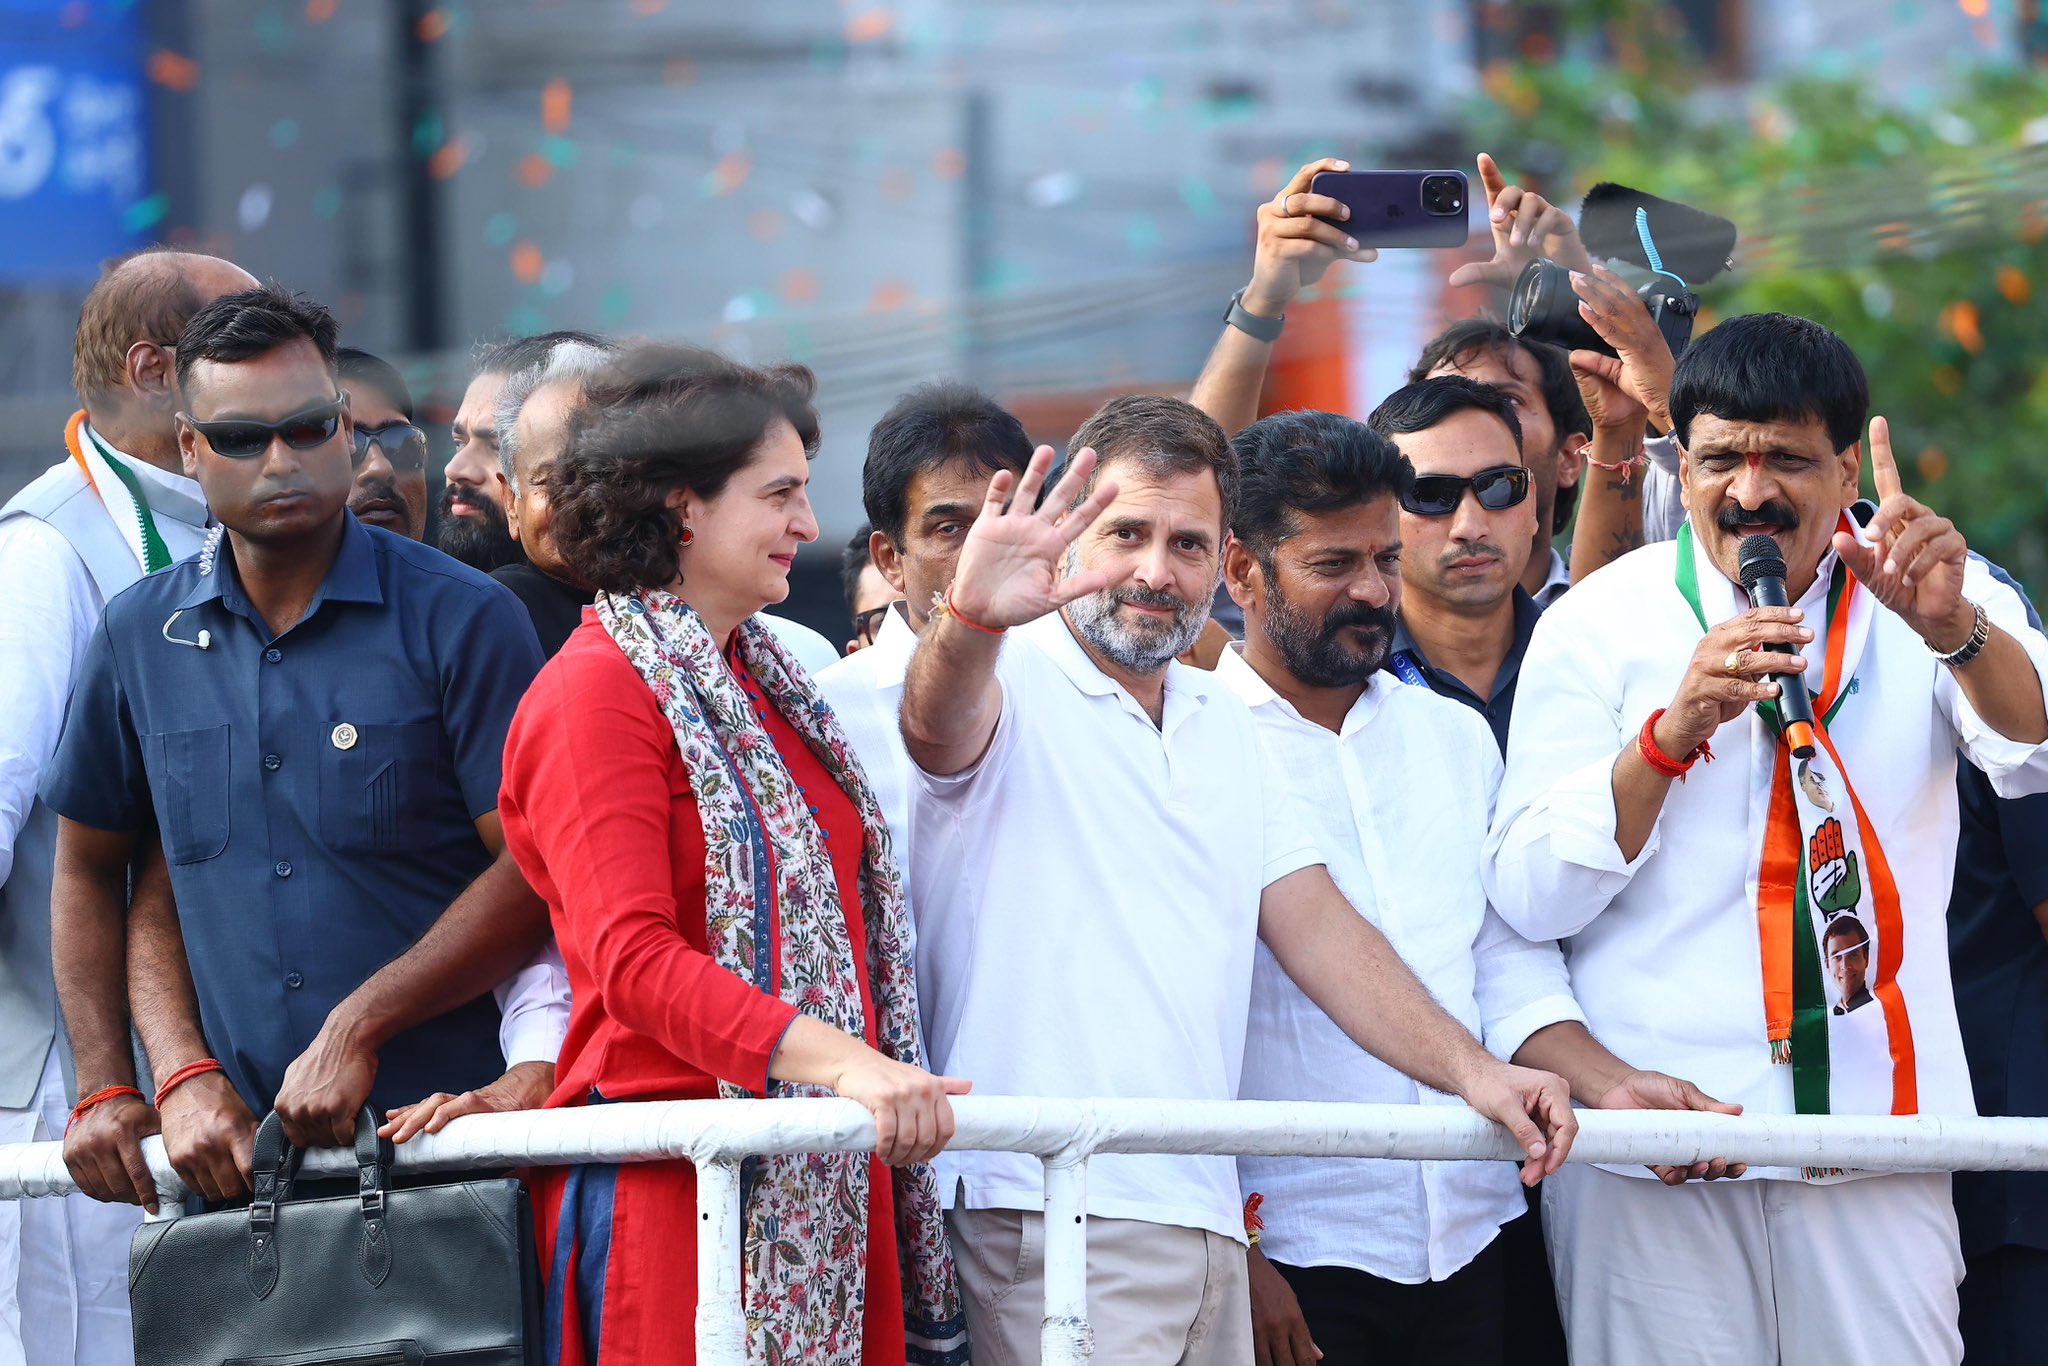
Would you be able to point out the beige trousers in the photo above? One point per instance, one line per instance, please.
(1754, 1272)
(1158, 1295)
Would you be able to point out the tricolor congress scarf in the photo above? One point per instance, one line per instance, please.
(120, 491)
(1827, 905)
(774, 918)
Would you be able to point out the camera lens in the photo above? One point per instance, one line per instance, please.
(1544, 308)
(1443, 195)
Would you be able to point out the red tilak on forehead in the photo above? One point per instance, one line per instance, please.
(1755, 460)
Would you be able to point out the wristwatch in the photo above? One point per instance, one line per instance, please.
(1251, 324)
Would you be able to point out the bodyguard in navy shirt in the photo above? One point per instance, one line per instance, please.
(312, 714)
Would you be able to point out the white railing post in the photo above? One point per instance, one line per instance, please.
(1066, 1338)
(721, 1318)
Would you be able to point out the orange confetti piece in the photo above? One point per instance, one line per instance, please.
(1976, 9)
(527, 263)
(535, 170)
(731, 172)
(173, 71)
(645, 8)
(1933, 463)
(680, 71)
(554, 106)
(319, 11)
(800, 286)
(2014, 285)
(949, 163)
(433, 26)
(448, 158)
(1948, 379)
(1960, 320)
(869, 25)
(764, 225)
(889, 296)
(898, 184)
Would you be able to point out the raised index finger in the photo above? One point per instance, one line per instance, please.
(1883, 468)
(1491, 178)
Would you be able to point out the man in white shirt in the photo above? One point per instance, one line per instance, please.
(1696, 912)
(116, 506)
(1117, 958)
(1382, 1261)
(928, 467)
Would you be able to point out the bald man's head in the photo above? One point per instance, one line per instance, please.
(132, 318)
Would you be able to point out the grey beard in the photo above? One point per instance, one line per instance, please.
(1143, 649)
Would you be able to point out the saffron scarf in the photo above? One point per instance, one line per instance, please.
(1828, 917)
(774, 917)
(120, 491)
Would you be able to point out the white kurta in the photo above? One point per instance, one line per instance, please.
(1664, 951)
(866, 693)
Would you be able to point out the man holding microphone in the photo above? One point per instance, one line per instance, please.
(1656, 813)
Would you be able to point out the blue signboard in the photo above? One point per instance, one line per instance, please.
(74, 167)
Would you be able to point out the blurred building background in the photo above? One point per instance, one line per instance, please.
(1051, 199)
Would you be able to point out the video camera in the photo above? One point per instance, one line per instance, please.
(1674, 241)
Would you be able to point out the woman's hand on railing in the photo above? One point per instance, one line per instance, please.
(525, 1086)
(913, 1117)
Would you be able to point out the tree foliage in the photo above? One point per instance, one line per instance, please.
(1914, 223)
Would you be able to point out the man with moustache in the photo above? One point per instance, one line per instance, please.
(391, 453)
(1911, 651)
(1122, 965)
(475, 513)
(1465, 617)
(1382, 1262)
(318, 815)
(929, 462)
(119, 505)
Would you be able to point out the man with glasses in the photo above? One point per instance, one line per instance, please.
(391, 453)
(116, 506)
(1466, 528)
(869, 596)
(312, 714)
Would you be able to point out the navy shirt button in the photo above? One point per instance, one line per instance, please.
(272, 655)
(272, 762)
(294, 980)
(283, 868)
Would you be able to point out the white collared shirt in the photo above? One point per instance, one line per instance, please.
(1556, 582)
(49, 605)
(1663, 950)
(1399, 802)
(865, 690)
(1087, 897)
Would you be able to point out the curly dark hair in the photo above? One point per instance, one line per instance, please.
(660, 418)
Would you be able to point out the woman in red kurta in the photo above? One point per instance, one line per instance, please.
(721, 890)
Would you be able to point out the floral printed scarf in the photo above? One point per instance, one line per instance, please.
(773, 915)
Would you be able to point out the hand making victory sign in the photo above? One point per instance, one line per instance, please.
(1010, 563)
(1914, 559)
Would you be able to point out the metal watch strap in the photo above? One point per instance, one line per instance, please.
(1251, 324)
(1980, 632)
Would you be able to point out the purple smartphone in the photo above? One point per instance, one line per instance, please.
(1400, 208)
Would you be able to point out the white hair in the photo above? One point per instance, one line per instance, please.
(570, 361)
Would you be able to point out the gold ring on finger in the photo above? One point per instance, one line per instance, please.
(1732, 666)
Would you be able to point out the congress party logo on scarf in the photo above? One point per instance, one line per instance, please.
(774, 918)
(1828, 916)
(120, 491)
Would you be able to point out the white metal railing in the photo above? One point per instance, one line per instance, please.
(716, 1134)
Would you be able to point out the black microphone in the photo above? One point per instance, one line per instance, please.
(1762, 569)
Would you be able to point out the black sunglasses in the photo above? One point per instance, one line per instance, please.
(403, 444)
(245, 440)
(1438, 495)
(867, 625)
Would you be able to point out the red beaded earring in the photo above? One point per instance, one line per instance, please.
(688, 536)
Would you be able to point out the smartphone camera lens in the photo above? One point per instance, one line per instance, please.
(1443, 195)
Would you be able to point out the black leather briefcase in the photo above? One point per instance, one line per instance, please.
(421, 1276)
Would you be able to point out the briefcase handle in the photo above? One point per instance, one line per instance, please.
(276, 1172)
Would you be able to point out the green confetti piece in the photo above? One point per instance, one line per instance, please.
(559, 151)
(284, 133)
(1198, 195)
(624, 156)
(524, 320)
(428, 133)
(145, 214)
(615, 305)
(327, 202)
(500, 229)
(273, 35)
(1141, 234)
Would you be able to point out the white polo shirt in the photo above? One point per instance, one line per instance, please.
(1087, 899)
(1399, 801)
(865, 691)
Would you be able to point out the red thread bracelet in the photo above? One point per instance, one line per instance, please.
(185, 1074)
(103, 1094)
(969, 622)
(1625, 468)
(1654, 755)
